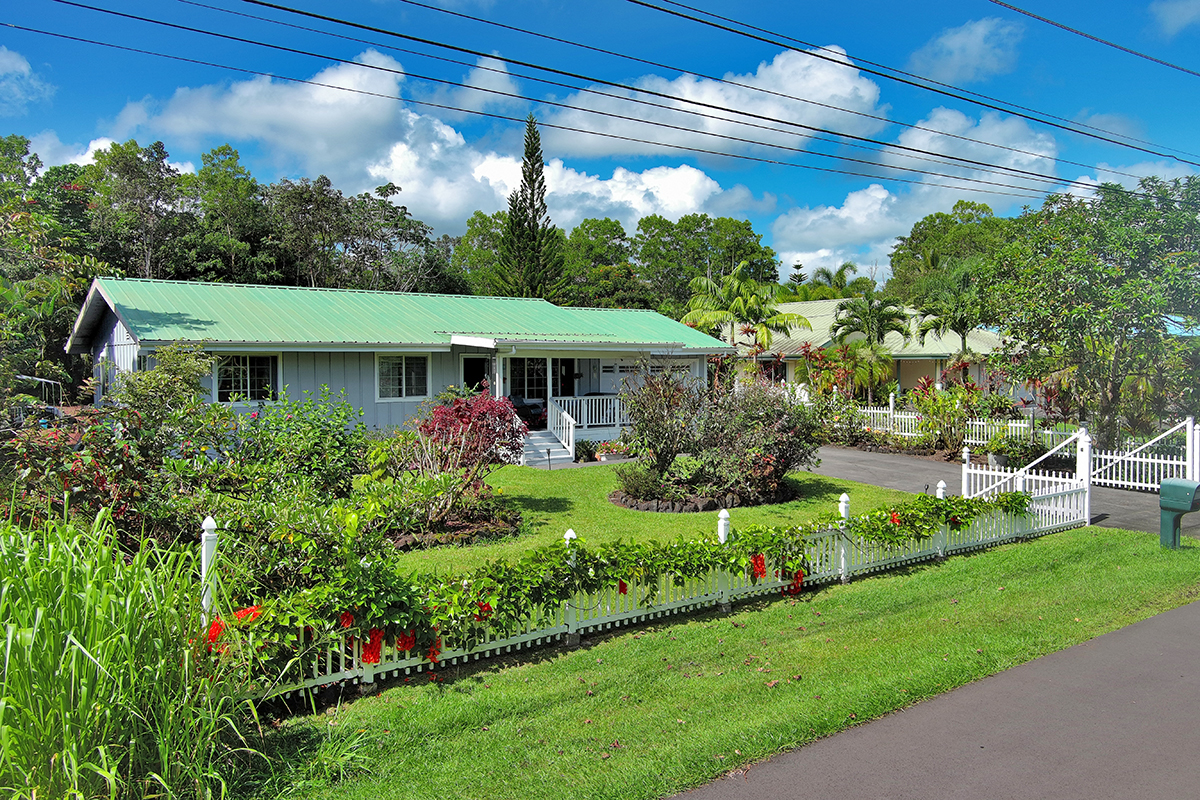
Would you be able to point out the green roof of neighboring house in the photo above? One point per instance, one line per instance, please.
(157, 311)
(821, 314)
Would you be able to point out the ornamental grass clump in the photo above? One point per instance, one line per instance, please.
(108, 689)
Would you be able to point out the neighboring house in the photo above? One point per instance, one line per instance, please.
(389, 351)
(912, 360)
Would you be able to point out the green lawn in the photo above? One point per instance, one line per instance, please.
(553, 501)
(646, 713)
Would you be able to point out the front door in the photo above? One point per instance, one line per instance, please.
(476, 370)
(564, 376)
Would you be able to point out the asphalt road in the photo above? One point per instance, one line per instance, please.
(1116, 717)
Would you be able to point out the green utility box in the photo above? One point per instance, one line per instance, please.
(1176, 497)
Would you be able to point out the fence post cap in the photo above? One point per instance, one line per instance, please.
(209, 525)
(941, 484)
(724, 514)
(569, 535)
(845, 498)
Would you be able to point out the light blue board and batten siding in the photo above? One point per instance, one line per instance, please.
(113, 345)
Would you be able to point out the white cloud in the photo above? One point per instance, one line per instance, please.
(445, 179)
(318, 129)
(489, 77)
(1143, 169)
(971, 52)
(789, 73)
(52, 151)
(361, 142)
(19, 84)
(1175, 15)
(864, 227)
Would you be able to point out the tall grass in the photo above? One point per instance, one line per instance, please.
(108, 690)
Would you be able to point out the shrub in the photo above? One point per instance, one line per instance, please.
(839, 418)
(585, 450)
(944, 413)
(663, 408)
(639, 480)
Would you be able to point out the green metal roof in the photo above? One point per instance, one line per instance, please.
(821, 314)
(156, 311)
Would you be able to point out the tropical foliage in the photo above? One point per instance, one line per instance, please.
(740, 306)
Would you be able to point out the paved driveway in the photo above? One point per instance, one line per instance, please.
(1111, 508)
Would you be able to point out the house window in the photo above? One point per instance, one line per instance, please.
(246, 378)
(403, 376)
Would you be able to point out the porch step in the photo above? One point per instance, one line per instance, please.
(536, 445)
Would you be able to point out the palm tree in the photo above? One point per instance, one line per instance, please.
(741, 303)
(873, 315)
(870, 364)
(952, 305)
(828, 284)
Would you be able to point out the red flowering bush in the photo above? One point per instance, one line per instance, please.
(372, 646)
(758, 566)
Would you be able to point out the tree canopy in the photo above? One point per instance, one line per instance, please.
(1090, 288)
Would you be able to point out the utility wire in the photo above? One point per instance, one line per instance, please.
(840, 57)
(774, 42)
(1022, 191)
(880, 145)
(1078, 32)
(637, 60)
(1054, 180)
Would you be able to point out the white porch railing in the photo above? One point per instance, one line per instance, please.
(562, 425)
(602, 411)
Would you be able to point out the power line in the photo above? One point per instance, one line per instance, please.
(638, 60)
(1054, 180)
(840, 56)
(1078, 32)
(1022, 191)
(957, 95)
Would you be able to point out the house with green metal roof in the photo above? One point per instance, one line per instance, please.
(389, 351)
(912, 360)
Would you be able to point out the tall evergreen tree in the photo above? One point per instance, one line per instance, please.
(531, 253)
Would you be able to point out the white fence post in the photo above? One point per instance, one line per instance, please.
(892, 412)
(208, 552)
(723, 575)
(941, 490)
(843, 559)
(1190, 449)
(1083, 471)
(966, 470)
(939, 538)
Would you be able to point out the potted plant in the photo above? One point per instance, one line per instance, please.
(998, 451)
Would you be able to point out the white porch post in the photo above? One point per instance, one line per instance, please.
(1190, 448)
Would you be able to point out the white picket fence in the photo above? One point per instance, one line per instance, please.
(978, 431)
(832, 555)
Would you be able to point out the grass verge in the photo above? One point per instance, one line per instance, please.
(553, 501)
(647, 713)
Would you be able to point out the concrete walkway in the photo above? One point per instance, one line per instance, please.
(1115, 717)
(1111, 508)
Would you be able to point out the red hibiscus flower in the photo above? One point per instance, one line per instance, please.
(435, 650)
(252, 612)
(406, 641)
(371, 647)
(895, 518)
(485, 611)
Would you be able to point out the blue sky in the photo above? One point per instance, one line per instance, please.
(70, 97)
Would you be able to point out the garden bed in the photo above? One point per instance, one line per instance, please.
(695, 504)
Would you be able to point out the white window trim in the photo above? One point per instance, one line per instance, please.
(276, 385)
(412, 398)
